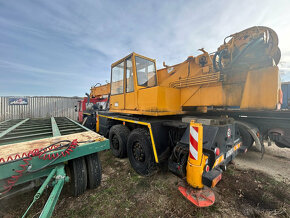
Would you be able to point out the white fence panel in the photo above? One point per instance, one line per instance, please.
(15, 107)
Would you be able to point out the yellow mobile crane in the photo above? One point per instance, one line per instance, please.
(151, 114)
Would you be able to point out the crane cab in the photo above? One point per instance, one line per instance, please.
(134, 88)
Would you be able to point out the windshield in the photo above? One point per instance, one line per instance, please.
(117, 79)
(146, 72)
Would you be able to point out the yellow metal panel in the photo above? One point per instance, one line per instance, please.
(130, 101)
(159, 99)
(162, 74)
(178, 71)
(202, 95)
(98, 124)
(194, 173)
(147, 99)
(168, 99)
(117, 102)
(261, 89)
(232, 94)
(154, 101)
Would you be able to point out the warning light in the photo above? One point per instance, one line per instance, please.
(217, 151)
(206, 168)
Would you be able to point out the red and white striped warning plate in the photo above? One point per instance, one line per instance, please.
(193, 142)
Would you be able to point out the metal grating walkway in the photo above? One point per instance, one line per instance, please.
(20, 130)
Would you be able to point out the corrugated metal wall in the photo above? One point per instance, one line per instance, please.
(39, 107)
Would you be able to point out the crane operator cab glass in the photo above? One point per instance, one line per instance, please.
(117, 79)
(135, 90)
(146, 72)
(122, 80)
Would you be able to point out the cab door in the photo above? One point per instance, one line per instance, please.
(130, 94)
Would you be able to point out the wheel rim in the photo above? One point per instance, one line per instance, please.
(138, 152)
(115, 142)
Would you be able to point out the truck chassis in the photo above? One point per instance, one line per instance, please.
(149, 141)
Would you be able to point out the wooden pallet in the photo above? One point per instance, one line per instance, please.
(25, 147)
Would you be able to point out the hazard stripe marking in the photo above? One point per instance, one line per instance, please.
(193, 148)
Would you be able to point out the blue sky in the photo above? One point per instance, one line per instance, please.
(64, 47)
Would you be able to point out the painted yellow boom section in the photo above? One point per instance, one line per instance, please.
(97, 91)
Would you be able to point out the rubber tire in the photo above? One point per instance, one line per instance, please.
(78, 176)
(94, 170)
(122, 133)
(148, 167)
(247, 139)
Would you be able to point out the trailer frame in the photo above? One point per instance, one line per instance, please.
(22, 132)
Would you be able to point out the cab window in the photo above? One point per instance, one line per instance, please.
(117, 84)
(146, 72)
(129, 76)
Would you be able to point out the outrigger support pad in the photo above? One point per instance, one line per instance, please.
(200, 197)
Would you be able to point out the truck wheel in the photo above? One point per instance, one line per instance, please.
(118, 140)
(247, 139)
(94, 170)
(139, 148)
(78, 176)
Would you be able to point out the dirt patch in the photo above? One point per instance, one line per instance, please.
(275, 162)
(255, 194)
(241, 193)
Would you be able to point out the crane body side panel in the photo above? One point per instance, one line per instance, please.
(155, 101)
(261, 89)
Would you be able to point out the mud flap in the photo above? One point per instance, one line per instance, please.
(253, 132)
(200, 197)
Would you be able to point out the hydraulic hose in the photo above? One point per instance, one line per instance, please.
(223, 52)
